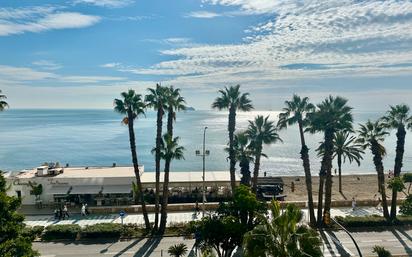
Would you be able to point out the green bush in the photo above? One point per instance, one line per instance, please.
(132, 231)
(33, 232)
(371, 221)
(381, 251)
(68, 231)
(102, 230)
(406, 206)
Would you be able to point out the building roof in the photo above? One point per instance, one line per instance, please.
(146, 177)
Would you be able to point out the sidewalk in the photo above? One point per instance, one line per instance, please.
(173, 218)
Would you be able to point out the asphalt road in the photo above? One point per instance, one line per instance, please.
(398, 241)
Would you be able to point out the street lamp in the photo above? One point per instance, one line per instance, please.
(203, 154)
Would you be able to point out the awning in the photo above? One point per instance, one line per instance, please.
(89, 189)
(58, 190)
(117, 189)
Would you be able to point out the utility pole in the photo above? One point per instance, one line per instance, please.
(203, 155)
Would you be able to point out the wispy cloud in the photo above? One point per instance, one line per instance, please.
(38, 19)
(24, 75)
(47, 65)
(302, 40)
(203, 14)
(106, 3)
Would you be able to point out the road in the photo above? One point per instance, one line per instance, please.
(398, 241)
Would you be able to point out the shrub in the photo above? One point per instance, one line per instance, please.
(371, 221)
(33, 232)
(132, 230)
(406, 206)
(381, 251)
(177, 250)
(102, 230)
(68, 231)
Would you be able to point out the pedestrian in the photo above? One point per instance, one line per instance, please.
(60, 213)
(335, 171)
(86, 210)
(83, 210)
(65, 211)
(292, 186)
(56, 214)
(379, 206)
(197, 207)
(353, 203)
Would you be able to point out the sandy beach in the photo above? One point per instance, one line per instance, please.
(362, 187)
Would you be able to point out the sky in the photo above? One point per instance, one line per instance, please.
(83, 53)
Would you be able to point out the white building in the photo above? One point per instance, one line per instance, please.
(108, 185)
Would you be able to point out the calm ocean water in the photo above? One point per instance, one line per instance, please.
(97, 138)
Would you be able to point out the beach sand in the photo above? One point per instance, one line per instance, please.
(362, 187)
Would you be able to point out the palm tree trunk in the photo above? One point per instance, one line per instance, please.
(158, 142)
(232, 159)
(256, 169)
(377, 160)
(340, 171)
(304, 155)
(328, 170)
(320, 197)
(245, 171)
(400, 149)
(165, 197)
(132, 140)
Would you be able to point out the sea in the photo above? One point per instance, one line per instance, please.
(30, 137)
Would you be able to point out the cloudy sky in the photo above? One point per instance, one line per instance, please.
(82, 53)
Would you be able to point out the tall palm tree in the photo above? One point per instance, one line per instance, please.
(156, 99)
(332, 115)
(174, 102)
(132, 106)
(295, 113)
(372, 135)
(232, 99)
(261, 131)
(399, 118)
(282, 235)
(345, 146)
(170, 150)
(244, 154)
(3, 103)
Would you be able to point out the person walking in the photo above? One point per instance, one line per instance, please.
(60, 213)
(86, 210)
(56, 214)
(353, 203)
(83, 210)
(65, 211)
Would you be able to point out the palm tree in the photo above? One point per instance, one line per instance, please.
(156, 99)
(132, 106)
(345, 147)
(399, 118)
(177, 250)
(295, 113)
(282, 235)
(3, 103)
(170, 150)
(243, 154)
(232, 99)
(261, 131)
(332, 115)
(372, 135)
(174, 102)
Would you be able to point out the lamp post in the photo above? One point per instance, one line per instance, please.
(203, 155)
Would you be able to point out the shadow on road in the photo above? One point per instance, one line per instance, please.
(147, 249)
(405, 245)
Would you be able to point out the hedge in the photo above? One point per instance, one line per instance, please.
(102, 230)
(33, 232)
(371, 221)
(68, 231)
